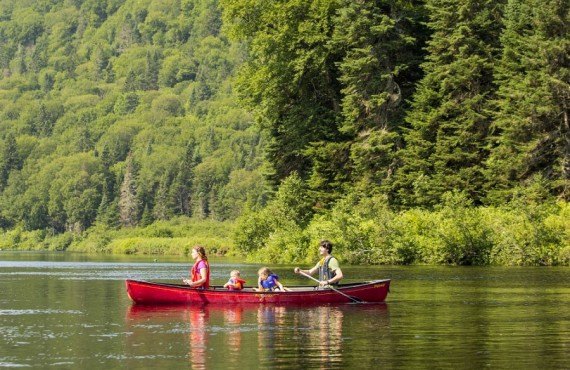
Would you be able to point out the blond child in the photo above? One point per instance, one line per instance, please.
(268, 281)
(235, 282)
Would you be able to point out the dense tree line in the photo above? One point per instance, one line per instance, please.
(123, 113)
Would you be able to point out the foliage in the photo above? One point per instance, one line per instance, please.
(265, 234)
(365, 230)
(115, 110)
(530, 141)
(172, 237)
(446, 143)
(406, 131)
(324, 82)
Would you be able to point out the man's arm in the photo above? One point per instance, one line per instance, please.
(308, 272)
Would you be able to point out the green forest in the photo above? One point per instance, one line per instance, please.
(404, 131)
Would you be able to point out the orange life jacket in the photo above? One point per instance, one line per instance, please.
(195, 274)
(238, 284)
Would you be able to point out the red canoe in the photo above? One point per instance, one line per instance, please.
(143, 292)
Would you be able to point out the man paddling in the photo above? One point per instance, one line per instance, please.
(328, 268)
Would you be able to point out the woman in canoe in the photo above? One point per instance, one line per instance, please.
(200, 272)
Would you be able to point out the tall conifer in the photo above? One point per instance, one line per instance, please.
(382, 40)
(129, 205)
(532, 136)
(445, 146)
(10, 159)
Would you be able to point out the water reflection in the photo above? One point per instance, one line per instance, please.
(199, 327)
(232, 320)
(250, 335)
(198, 337)
(269, 319)
(327, 335)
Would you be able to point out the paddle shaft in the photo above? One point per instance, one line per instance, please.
(336, 290)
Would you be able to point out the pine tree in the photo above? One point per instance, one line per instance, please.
(149, 79)
(382, 42)
(291, 79)
(128, 201)
(162, 209)
(131, 82)
(107, 213)
(147, 217)
(445, 145)
(532, 131)
(10, 159)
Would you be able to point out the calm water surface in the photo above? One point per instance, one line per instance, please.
(71, 311)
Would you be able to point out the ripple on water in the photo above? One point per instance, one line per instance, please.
(12, 364)
(37, 312)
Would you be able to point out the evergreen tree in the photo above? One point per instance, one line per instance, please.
(149, 80)
(446, 143)
(531, 132)
(128, 201)
(291, 79)
(131, 82)
(180, 189)
(162, 209)
(380, 40)
(10, 159)
(147, 217)
(107, 213)
(324, 80)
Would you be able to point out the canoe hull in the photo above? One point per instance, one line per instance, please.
(143, 292)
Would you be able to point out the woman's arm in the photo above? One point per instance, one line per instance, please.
(203, 278)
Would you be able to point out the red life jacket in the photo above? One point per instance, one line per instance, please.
(195, 274)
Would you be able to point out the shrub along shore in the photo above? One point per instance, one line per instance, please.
(363, 232)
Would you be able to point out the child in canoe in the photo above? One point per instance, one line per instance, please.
(235, 282)
(268, 281)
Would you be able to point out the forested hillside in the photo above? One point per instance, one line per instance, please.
(431, 131)
(120, 113)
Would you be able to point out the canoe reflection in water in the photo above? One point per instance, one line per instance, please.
(317, 332)
(248, 336)
(159, 329)
(198, 320)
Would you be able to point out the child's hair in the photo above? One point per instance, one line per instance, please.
(234, 272)
(264, 271)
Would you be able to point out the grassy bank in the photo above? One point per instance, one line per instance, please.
(173, 237)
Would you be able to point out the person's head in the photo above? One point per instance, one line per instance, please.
(264, 273)
(234, 274)
(325, 245)
(199, 251)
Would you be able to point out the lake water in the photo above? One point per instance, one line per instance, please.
(60, 310)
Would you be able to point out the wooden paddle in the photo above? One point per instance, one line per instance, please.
(354, 299)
